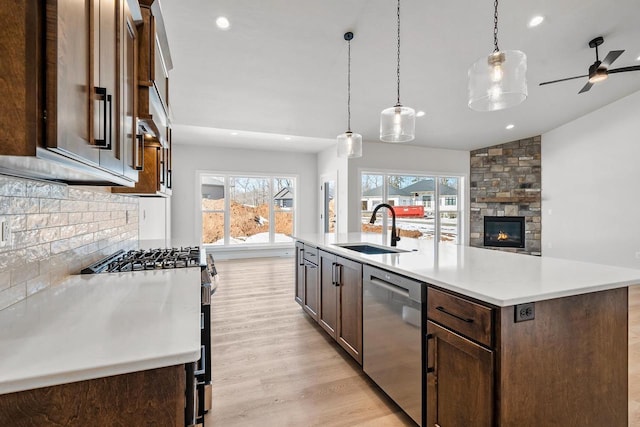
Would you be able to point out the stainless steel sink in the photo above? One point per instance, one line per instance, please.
(369, 249)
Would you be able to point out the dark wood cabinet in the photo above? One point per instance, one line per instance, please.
(152, 86)
(65, 68)
(340, 311)
(307, 279)
(459, 380)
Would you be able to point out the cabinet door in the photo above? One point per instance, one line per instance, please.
(328, 309)
(349, 332)
(459, 380)
(311, 289)
(105, 76)
(128, 142)
(70, 93)
(299, 292)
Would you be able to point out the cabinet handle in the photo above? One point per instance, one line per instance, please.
(333, 273)
(138, 154)
(338, 274)
(443, 310)
(430, 369)
(301, 256)
(103, 97)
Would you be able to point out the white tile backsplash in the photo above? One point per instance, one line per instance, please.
(56, 230)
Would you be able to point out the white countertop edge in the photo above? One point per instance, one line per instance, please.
(99, 372)
(328, 242)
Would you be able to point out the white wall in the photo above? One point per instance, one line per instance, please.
(330, 165)
(188, 159)
(590, 186)
(411, 159)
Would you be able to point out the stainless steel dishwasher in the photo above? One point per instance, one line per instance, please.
(391, 337)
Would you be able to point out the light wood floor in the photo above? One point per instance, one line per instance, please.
(274, 367)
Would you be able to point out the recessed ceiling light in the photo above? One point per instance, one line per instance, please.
(535, 21)
(287, 138)
(420, 113)
(638, 58)
(509, 127)
(223, 23)
(234, 133)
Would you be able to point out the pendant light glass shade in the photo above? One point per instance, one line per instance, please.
(498, 81)
(350, 145)
(398, 124)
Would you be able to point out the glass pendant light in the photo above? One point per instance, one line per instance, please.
(398, 123)
(498, 81)
(349, 143)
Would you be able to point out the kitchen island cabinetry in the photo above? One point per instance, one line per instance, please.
(459, 371)
(307, 276)
(508, 339)
(64, 115)
(340, 308)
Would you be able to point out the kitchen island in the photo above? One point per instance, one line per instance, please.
(109, 348)
(508, 339)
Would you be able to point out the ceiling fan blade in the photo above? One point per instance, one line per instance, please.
(586, 87)
(624, 69)
(611, 56)
(563, 80)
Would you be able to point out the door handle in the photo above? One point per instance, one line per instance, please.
(301, 256)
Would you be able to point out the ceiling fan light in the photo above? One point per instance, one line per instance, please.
(598, 76)
(398, 124)
(498, 81)
(349, 145)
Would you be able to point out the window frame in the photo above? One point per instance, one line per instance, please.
(271, 177)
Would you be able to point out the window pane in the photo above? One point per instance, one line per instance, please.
(412, 196)
(212, 193)
(249, 210)
(449, 209)
(372, 189)
(283, 206)
(213, 228)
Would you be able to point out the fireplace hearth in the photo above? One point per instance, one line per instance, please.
(504, 231)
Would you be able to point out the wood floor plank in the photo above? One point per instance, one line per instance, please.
(274, 366)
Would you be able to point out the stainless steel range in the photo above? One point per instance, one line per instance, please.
(198, 386)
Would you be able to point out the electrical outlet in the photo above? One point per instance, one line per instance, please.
(525, 312)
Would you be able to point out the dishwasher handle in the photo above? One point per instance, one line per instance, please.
(391, 287)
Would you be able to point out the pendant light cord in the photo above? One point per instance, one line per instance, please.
(398, 67)
(495, 28)
(349, 88)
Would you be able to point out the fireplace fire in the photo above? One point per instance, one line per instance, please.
(504, 231)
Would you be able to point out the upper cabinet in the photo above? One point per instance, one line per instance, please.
(70, 99)
(154, 140)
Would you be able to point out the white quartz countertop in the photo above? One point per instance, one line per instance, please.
(498, 278)
(99, 325)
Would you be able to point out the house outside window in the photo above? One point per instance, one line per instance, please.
(413, 198)
(247, 210)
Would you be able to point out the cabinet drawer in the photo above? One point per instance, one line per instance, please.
(460, 315)
(311, 254)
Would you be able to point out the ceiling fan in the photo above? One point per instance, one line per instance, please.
(599, 70)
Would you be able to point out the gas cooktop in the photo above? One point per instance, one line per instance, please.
(149, 259)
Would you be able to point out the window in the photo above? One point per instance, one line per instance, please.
(413, 196)
(240, 210)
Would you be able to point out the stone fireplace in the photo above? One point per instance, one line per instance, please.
(506, 182)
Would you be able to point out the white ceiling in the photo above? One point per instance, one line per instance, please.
(281, 68)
